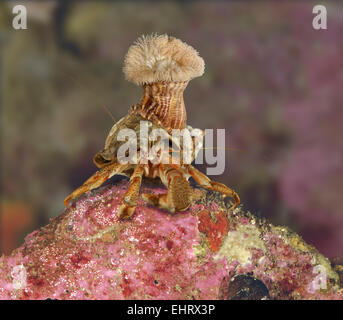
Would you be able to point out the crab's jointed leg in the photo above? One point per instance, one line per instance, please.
(96, 180)
(206, 182)
(130, 199)
(178, 197)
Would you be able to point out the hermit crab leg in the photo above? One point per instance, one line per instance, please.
(178, 197)
(130, 199)
(97, 179)
(206, 182)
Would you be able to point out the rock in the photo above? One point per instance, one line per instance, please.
(88, 253)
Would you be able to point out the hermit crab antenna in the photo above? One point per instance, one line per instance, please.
(90, 92)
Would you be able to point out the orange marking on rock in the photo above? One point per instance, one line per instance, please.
(215, 230)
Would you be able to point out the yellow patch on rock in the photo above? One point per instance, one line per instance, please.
(238, 244)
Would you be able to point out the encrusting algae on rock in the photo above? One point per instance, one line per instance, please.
(89, 253)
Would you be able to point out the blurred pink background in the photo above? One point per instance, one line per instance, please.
(271, 80)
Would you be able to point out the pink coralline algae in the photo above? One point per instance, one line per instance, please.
(88, 253)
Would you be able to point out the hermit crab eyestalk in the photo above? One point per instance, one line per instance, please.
(162, 58)
(100, 161)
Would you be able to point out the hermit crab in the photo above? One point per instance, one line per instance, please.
(163, 66)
